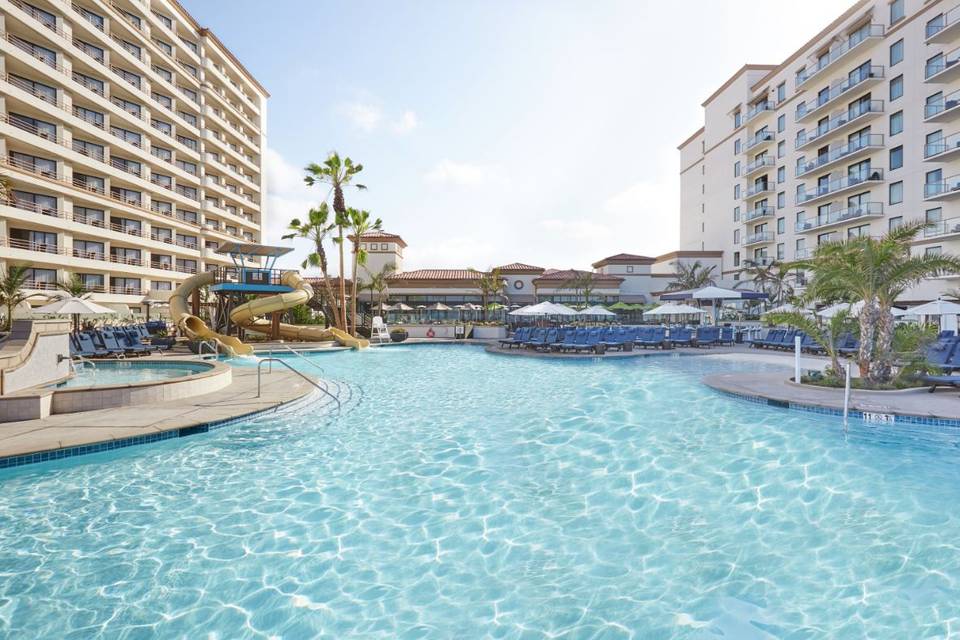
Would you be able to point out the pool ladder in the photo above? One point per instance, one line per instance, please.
(287, 365)
(214, 347)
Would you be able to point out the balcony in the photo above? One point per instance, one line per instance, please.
(804, 254)
(758, 212)
(760, 164)
(841, 216)
(766, 188)
(35, 247)
(943, 69)
(841, 185)
(760, 261)
(763, 237)
(858, 81)
(857, 147)
(943, 28)
(942, 150)
(839, 51)
(947, 189)
(944, 110)
(764, 106)
(758, 139)
(940, 228)
(855, 115)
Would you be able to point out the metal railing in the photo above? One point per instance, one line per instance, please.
(287, 365)
(214, 347)
(299, 355)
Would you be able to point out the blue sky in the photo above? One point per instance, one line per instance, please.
(490, 131)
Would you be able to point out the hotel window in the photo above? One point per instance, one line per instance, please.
(781, 174)
(163, 127)
(88, 249)
(801, 245)
(190, 242)
(933, 216)
(91, 50)
(189, 216)
(781, 123)
(166, 74)
(781, 225)
(782, 200)
(46, 130)
(896, 192)
(736, 236)
(162, 180)
(89, 115)
(47, 205)
(736, 192)
(166, 47)
(896, 123)
(190, 94)
(896, 158)
(737, 119)
(93, 18)
(130, 107)
(189, 118)
(736, 146)
(798, 78)
(781, 149)
(933, 251)
(163, 154)
(383, 246)
(781, 252)
(859, 232)
(894, 223)
(166, 20)
(781, 92)
(162, 285)
(897, 11)
(190, 143)
(130, 286)
(41, 278)
(91, 281)
(736, 214)
(736, 169)
(188, 167)
(896, 52)
(131, 137)
(131, 78)
(165, 101)
(41, 166)
(93, 217)
(38, 240)
(131, 48)
(127, 195)
(192, 45)
(736, 258)
(89, 183)
(896, 88)
(93, 84)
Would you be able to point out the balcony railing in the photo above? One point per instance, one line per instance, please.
(842, 49)
(760, 261)
(937, 28)
(127, 291)
(31, 166)
(761, 188)
(936, 70)
(758, 212)
(860, 77)
(761, 107)
(940, 110)
(841, 184)
(949, 187)
(869, 141)
(942, 228)
(757, 238)
(27, 245)
(948, 145)
(26, 86)
(761, 137)
(836, 122)
(766, 162)
(868, 209)
(128, 260)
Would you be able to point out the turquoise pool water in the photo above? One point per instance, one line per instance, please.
(107, 373)
(468, 495)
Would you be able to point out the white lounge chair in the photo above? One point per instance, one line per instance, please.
(378, 331)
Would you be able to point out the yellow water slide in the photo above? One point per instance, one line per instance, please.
(246, 315)
(195, 328)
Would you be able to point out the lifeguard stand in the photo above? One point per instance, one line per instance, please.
(246, 279)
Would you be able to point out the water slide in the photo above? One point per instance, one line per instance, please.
(246, 315)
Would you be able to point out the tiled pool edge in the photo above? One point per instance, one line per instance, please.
(8, 462)
(857, 414)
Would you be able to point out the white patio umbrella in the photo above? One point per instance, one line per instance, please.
(438, 306)
(674, 310)
(75, 307)
(787, 308)
(854, 310)
(544, 309)
(938, 307)
(715, 294)
(402, 307)
(596, 310)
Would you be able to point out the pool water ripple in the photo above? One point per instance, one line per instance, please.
(471, 495)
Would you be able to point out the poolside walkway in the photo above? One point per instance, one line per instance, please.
(88, 427)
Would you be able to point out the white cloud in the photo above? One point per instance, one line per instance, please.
(365, 116)
(287, 198)
(461, 174)
(407, 123)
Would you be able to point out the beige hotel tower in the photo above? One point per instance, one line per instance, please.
(132, 141)
(855, 133)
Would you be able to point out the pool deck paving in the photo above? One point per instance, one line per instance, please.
(88, 427)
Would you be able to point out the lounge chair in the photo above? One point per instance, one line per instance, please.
(707, 336)
(109, 345)
(768, 339)
(944, 354)
(652, 337)
(681, 336)
(848, 345)
(591, 342)
(88, 348)
(613, 338)
(943, 380)
(728, 335)
(518, 338)
(946, 333)
(538, 339)
(549, 339)
(571, 338)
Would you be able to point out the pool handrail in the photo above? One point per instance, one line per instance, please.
(298, 354)
(287, 365)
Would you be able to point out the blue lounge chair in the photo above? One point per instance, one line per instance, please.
(681, 336)
(519, 336)
(728, 335)
(613, 338)
(848, 345)
(652, 337)
(106, 341)
(538, 339)
(549, 340)
(946, 333)
(88, 348)
(944, 354)
(571, 338)
(707, 336)
(591, 341)
(769, 339)
(130, 339)
(944, 380)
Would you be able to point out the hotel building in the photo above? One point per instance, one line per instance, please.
(855, 133)
(131, 139)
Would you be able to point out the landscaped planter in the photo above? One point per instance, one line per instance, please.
(398, 335)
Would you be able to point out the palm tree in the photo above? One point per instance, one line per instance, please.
(316, 228)
(582, 284)
(379, 282)
(774, 279)
(877, 271)
(74, 286)
(692, 275)
(5, 189)
(12, 284)
(490, 284)
(813, 326)
(338, 173)
(360, 224)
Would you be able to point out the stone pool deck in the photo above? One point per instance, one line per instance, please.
(64, 430)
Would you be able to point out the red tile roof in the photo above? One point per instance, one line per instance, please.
(568, 275)
(516, 267)
(624, 258)
(382, 236)
(436, 274)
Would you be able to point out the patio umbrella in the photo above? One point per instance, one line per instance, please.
(544, 309)
(938, 307)
(621, 306)
(402, 307)
(674, 310)
(75, 307)
(787, 308)
(596, 310)
(716, 295)
(438, 306)
(383, 306)
(855, 308)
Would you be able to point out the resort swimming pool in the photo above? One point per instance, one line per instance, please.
(106, 373)
(469, 494)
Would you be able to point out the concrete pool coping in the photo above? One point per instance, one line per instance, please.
(69, 434)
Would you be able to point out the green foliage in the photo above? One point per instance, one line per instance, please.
(12, 283)
(74, 286)
(302, 314)
(692, 275)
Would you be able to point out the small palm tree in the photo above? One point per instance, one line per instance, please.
(775, 279)
(877, 271)
(74, 286)
(825, 335)
(491, 285)
(582, 283)
(692, 275)
(379, 283)
(360, 224)
(6, 191)
(316, 227)
(338, 173)
(12, 284)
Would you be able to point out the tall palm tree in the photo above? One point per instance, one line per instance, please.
(692, 275)
(12, 284)
(379, 283)
(582, 283)
(877, 271)
(316, 228)
(491, 285)
(338, 173)
(775, 279)
(360, 224)
(6, 191)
